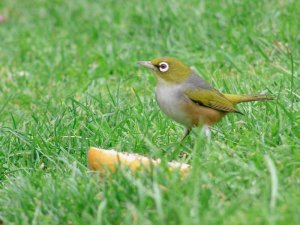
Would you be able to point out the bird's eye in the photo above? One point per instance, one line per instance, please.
(163, 67)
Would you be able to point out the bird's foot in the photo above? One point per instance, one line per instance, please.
(183, 155)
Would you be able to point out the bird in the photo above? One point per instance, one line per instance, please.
(184, 96)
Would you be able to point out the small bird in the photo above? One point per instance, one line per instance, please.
(188, 99)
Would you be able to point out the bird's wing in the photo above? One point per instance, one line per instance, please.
(210, 98)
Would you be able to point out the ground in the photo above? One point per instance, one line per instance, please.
(69, 80)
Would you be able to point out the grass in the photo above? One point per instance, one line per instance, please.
(69, 81)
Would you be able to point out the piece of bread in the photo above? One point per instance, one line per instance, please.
(108, 160)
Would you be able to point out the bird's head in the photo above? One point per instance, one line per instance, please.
(169, 69)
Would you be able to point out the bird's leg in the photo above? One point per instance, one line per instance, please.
(206, 131)
(186, 133)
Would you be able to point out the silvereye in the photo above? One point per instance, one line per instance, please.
(188, 99)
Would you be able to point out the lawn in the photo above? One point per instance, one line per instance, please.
(69, 80)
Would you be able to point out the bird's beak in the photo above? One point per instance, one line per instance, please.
(147, 64)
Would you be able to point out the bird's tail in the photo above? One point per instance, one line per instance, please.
(235, 99)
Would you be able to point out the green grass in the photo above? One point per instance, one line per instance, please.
(69, 80)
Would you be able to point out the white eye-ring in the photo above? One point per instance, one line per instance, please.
(163, 67)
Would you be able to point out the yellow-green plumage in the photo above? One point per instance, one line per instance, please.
(177, 72)
(211, 98)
